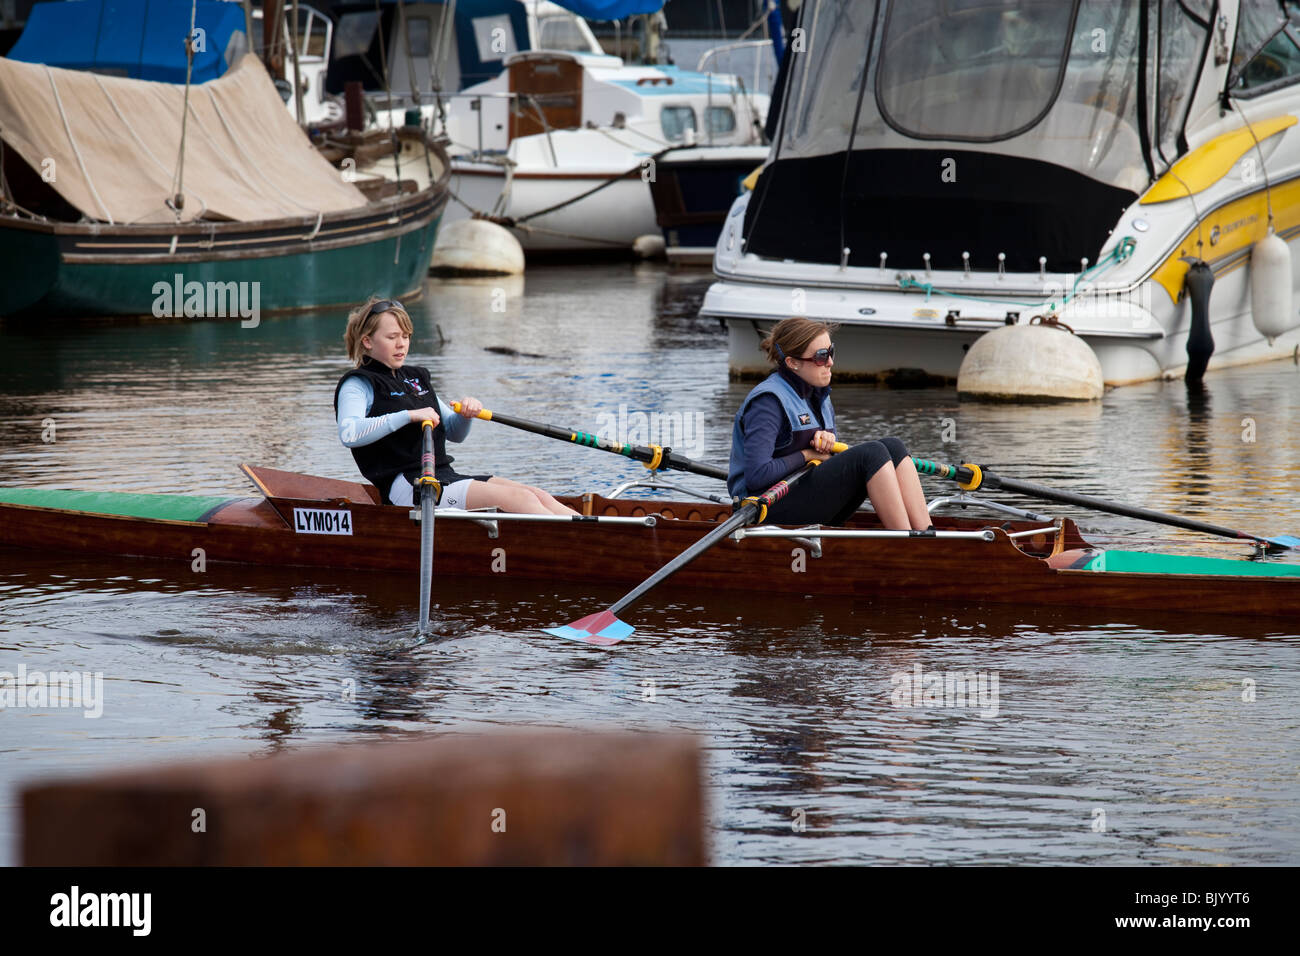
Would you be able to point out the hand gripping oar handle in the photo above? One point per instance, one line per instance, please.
(970, 477)
(430, 490)
(654, 457)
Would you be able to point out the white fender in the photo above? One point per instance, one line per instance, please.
(1270, 286)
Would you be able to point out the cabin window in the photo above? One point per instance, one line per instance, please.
(675, 121)
(1266, 54)
(1182, 42)
(720, 119)
(355, 33)
(417, 36)
(561, 32)
(974, 71)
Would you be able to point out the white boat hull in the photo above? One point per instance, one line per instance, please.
(893, 343)
(610, 219)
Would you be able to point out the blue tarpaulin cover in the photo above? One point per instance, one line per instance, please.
(139, 39)
(610, 9)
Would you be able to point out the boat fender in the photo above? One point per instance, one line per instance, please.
(1270, 286)
(1200, 343)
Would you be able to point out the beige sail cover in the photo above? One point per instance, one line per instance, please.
(114, 144)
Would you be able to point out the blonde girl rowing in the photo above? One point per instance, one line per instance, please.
(379, 405)
(787, 421)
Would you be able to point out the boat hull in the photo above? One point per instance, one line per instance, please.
(609, 220)
(279, 530)
(86, 269)
(692, 192)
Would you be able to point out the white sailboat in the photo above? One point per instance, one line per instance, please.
(556, 120)
(1127, 167)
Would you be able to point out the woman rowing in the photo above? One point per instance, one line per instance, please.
(380, 404)
(787, 421)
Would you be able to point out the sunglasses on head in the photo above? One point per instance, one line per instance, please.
(820, 357)
(383, 305)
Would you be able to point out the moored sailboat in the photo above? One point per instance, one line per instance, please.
(114, 190)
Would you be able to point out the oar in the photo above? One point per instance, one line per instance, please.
(428, 491)
(653, 456)
(605, 628)
(971, 477)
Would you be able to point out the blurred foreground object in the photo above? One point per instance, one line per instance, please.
(513, 798)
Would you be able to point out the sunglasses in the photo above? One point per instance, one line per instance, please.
(820, 357)
(383, 305)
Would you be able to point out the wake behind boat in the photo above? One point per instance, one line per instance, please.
(308, 521)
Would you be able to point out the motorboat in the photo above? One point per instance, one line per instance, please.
(1129, 170)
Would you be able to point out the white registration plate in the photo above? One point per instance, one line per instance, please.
(321, 521)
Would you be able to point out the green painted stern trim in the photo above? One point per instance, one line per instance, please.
(1143, 562)
(164, 507)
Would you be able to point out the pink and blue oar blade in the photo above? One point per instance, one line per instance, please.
(603, 629)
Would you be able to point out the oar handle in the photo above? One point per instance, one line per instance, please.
(483, 413)
(428, 465)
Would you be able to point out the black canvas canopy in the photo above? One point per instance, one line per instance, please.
(983, 126)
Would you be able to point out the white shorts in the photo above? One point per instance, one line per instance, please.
(454, 495)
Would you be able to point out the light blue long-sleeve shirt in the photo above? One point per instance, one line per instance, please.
(357, 397)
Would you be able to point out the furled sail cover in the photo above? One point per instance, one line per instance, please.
(111, 145)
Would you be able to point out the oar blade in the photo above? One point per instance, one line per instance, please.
(1284, 541)
(602, 629)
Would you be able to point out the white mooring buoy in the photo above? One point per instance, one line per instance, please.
(649, 246)
(1034, 362)
(476, 247)
(1270, 286)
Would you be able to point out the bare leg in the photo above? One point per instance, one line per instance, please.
(909, 484)
(507, 497)
(546, 501)
(887, 499)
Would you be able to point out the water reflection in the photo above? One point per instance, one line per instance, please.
(1141, 713)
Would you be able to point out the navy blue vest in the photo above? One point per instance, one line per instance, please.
(799, 415)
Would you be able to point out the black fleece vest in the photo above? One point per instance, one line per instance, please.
(406, 388)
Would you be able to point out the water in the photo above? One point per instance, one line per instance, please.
(1118, 739)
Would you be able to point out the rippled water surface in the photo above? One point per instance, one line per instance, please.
(1116, 738)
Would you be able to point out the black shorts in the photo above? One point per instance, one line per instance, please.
(837, 487)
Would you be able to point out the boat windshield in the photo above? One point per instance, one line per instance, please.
(971, 70)
(1043, 79)
(561, 31)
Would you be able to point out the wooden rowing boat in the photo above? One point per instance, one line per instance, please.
(301, 520)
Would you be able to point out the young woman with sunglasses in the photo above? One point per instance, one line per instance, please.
(380, 404)
(787, 421)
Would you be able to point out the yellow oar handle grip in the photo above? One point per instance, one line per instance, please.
(483, 413)
(838, 447)
(427, 423)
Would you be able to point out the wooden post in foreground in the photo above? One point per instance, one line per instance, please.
(510, 798)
